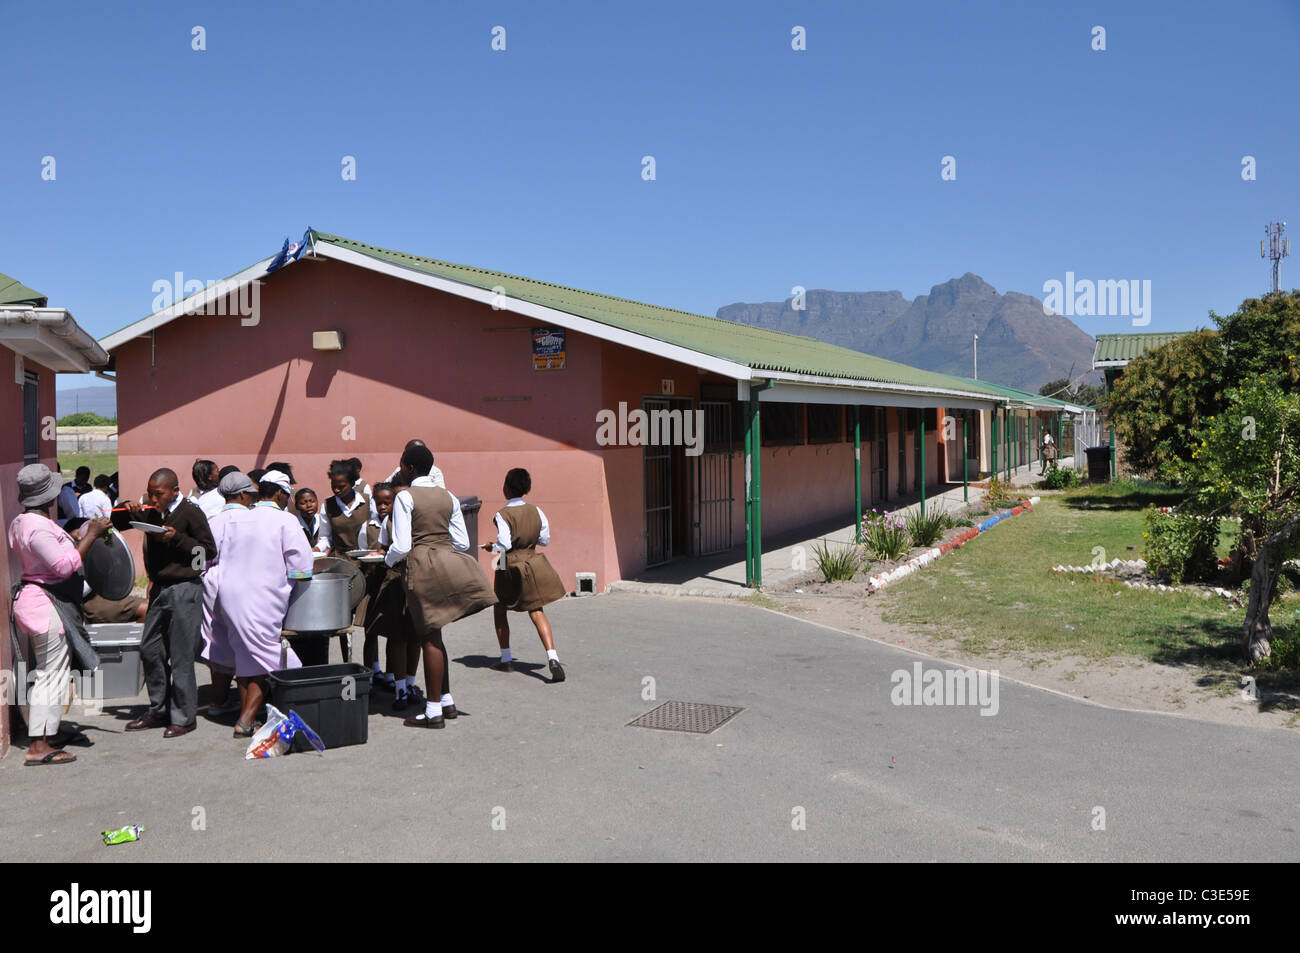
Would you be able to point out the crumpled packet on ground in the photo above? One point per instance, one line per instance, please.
(123, 835)
(276, 736)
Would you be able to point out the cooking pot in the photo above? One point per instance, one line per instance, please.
(322, 603)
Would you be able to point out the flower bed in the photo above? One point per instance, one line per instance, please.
(930, 555)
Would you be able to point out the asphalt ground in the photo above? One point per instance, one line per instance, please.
(820, 765)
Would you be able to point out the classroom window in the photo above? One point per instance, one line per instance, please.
(825, 423)
(782, 424)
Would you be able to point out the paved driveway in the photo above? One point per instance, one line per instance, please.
(875, 781)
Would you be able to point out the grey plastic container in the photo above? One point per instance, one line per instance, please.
(118, 645)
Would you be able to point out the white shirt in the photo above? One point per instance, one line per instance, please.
(434, 474)
(403, 506)
(320, 526)
(95, 504)
(502, 544)
(211, 502)
(373, 533)
(363, 488)
(1047, 439)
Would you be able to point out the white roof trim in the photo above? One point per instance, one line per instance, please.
(1097, 364)
(787, 377)
(194, 302)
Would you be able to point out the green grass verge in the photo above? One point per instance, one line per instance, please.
(997, 595)
(101, 461)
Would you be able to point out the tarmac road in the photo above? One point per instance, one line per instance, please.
(534, 771)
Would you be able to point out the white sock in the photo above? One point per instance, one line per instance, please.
(433, 709)
(552, 655)
(446, 700)
(505, 654)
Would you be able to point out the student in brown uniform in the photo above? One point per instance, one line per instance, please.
(345, 513)
(443, 581)
(386, 615)
(524, 580)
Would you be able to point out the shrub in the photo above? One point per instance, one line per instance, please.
(1180, 545)
(1060, 478)
(838, 564)
(924, 530)
(997, 494)
(885, 535)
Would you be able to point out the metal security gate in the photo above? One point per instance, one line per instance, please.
(31, 418)
(880, 457)
(714, 495)
(658, 495)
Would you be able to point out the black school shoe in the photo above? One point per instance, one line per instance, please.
(557, 671)
(449, 711)
(420, 721)
(401, 702)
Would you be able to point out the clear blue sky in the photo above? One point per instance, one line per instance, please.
(775, 168)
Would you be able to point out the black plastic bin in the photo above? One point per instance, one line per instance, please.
(316, 693)
(1098, 464)
(469, 507)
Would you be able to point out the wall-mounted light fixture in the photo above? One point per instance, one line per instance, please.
(327, 340)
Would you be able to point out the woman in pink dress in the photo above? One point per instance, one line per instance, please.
(48, 596)
(239, 494)
(262, 551)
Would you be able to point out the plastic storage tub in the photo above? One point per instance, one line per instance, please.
(118, 645)
(335, 709)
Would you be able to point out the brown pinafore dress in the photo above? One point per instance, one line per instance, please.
(386, 614)
(526, 579)
(442, 585)
(343, 538)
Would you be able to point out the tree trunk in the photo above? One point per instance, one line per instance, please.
(1257, 632)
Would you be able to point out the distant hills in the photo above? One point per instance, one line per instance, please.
(95, 400)
(1019, 345)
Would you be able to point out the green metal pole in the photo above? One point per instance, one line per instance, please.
(758, 492)
(749, 497)
(1060, 454)
(1112, 453)
(1006, 440)
(923, 463)
(857, 472)
(993, 444)
(965, 464)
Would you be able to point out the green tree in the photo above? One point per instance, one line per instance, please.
(1161, 400)
(1262, 337)
(86, 419)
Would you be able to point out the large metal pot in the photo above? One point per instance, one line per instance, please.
(322, 603)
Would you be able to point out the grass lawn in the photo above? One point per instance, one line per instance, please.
(101, 461)
(997, 594)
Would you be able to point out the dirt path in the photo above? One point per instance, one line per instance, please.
(1117, 681)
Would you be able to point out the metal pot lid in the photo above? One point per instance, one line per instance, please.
(109, 568)
(357, 580)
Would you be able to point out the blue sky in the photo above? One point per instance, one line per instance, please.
(774, 168)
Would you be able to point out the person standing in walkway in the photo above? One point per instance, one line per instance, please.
(47, 620)
(263, 552)
(174, 559)
(239, 494)
(1047, 448)
(525, 580)
(443, 582)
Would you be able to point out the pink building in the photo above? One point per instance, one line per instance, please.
(36, 342)
(351, 350)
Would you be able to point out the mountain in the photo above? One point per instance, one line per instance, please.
(96, 400)
(1019, 345)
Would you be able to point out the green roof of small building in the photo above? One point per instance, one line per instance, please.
(757, 348)
(13, 291)
(1125, 347)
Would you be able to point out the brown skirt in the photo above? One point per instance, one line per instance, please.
(443, 585)
(528, 582)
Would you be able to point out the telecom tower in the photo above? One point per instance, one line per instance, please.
(1275, 247)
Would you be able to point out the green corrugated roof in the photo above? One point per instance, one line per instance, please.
(1125, 347)
(1012, 393)
(13, 291)
(758, 348)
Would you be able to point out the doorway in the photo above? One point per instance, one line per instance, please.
(667, 482)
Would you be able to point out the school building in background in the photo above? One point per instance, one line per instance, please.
(346, 349)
